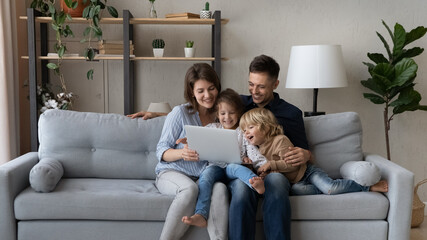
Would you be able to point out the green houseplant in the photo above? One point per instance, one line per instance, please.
(392, 78)
(158, 47)
(189, 51)
(205, 13)
(64, 99)
(93, 13)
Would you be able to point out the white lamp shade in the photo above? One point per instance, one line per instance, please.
(316, 66)
(162, 107)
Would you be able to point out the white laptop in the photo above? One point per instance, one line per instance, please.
(214, 144)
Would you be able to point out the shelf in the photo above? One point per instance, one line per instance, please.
(135, 20)
(132, 58)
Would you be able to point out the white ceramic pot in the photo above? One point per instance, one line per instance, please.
(189, 52)
(205, 14)
(158, 52)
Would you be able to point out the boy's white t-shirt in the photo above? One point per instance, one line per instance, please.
(246, 149)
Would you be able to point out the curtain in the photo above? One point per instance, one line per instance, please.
(8, 78)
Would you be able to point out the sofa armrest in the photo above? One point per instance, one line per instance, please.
(13, 179)
(400, 194)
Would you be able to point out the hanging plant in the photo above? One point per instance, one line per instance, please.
(93, 13)
(392, 78)
(62, 30)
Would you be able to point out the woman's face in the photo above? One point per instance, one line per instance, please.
(205, 93)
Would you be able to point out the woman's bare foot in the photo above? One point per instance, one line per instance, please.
(195, 220)
(258, 184)
(381, 186)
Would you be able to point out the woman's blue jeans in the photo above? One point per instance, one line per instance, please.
(317, 181)
(213, 174)
(276, 209)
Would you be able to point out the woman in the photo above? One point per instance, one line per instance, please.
(179, 166)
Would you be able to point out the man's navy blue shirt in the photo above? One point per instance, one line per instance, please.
(289, 116)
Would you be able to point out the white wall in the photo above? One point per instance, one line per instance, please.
(272, 27)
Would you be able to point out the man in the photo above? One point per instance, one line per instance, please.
(263, 80)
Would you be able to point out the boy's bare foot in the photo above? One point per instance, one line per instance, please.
(258, 184)
(195, 220)
(381, 186)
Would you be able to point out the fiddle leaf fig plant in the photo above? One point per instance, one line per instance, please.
(392, 77)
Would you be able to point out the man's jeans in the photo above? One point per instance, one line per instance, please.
(317, 181)
(276, 209)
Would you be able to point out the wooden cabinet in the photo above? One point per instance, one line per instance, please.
(128, 22)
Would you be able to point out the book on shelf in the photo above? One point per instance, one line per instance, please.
(111, 43)
(185, 15)
(111, 55)
(65, 55)
(114, 51)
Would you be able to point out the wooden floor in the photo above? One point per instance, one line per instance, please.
(420, 233)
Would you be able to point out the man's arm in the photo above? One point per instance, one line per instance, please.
(146, 115)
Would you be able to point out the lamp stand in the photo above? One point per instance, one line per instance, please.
(315, 112)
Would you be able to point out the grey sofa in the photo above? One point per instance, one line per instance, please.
(106, 188)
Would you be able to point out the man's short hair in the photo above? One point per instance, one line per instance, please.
(265, 64)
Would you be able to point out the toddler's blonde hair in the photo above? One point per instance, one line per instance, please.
(264, 120)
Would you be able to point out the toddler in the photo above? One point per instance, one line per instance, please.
(261, 129)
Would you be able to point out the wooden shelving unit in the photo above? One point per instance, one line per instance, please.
(127, 21)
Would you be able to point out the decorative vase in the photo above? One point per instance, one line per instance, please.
(189, 52)
(153, 13)
(158, 52)
(205, 14)
(78, 11)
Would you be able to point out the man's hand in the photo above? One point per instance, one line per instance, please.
(264, 169)
(297, 156)
(146, 115)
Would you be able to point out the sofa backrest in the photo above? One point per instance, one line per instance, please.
(100, 145)
(114, 146)
(334, 139)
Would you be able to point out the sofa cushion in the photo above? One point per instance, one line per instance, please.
(103, 199)
(362, 172)
(334, 139)
(348, 206)
(46, 174)
(100, 145)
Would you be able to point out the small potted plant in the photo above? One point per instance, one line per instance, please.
(158, 47)
(205, 13)
(189, 50)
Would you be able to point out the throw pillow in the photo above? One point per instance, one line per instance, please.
(46, 174)
(362, 172)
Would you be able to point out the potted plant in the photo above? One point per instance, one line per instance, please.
(47, 98)
(158, 47)
(93, 13)
(189, 50)
(392, 78)
(77, 10)
(205, 13)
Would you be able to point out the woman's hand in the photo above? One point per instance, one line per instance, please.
(297, 156)
(246, 160)
(187, 154)
(146, 115)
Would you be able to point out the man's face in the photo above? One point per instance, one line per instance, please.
(261, 88)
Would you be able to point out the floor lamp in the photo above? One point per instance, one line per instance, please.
(316, 66)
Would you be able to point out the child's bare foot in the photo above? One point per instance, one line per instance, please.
(195, 220)
(258, 184)
(381, 186)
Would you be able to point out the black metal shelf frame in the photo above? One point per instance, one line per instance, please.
(128, 65)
